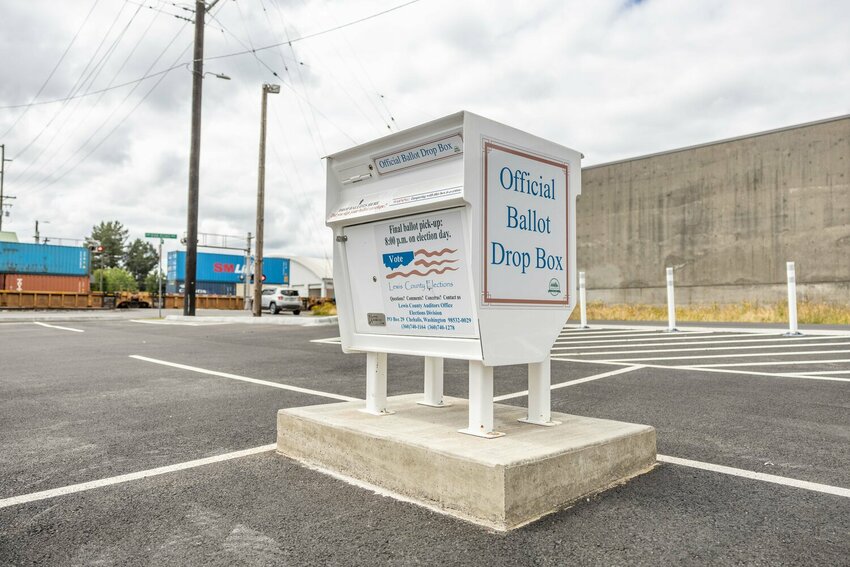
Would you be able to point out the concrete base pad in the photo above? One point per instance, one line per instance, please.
(500, 483)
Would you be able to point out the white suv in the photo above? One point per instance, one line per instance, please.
(280, 299)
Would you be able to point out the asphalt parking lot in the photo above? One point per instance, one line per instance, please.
(126, 443)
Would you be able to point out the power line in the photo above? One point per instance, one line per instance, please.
(99, 67)
(316, 34)
(226, 55)
(84, 77)
(161, 11)
(290, 85)
(92, 93)
(49, 76)
(46, 181)
(25, 179)
(370, 95)
(126, 116)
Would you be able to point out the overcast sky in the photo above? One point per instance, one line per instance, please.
(610, 78)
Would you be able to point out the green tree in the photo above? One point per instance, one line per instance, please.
(114, 279)
(112, 236)
(139, 259)
(152, 283)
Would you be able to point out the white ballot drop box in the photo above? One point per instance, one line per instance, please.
(455, 239)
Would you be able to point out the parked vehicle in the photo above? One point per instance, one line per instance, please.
(279, 299)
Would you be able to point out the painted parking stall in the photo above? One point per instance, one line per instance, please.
(791, 470)
(814, 356)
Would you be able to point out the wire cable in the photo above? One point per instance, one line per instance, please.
(26, 179)
(318, 33)
(162, 75)
(289, 85)
(85, 74)
(103, 123)
(50, 75)
(161, 11)
(223, 56)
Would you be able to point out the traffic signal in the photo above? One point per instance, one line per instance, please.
(96, 248)
(263, 278)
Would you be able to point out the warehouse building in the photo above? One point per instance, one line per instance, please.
(312, 277)
(726, 216)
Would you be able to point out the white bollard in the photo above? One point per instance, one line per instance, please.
(582, 297)
(792, 300)
(671, 303)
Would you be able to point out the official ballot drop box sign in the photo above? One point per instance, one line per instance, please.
(454, 239)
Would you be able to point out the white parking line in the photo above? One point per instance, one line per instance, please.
(615, 334)
(785, 481)
(110, 481)
(182, 323)
(797, 353)
(657, 337)
(781, 363)
(84, 486)
(570, 383)
(245, 379)
(695, 329)
(58, 327)
(44, 494)
(826, 372)
(617, 352)
(329, 341)
(576, 332)
(690, 340)
(706, 369)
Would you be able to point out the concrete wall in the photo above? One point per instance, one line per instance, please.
(726, 216)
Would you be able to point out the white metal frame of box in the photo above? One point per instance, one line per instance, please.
(455, 239)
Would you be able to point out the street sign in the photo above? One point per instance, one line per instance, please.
(159, 235)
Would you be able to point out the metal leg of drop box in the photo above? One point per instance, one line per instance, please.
(376, 383)
(540, 394)
(434, 383)
(481, 401)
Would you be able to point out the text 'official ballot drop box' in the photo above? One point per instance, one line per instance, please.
(455, 239)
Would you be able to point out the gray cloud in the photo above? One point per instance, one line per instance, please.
(612, 78)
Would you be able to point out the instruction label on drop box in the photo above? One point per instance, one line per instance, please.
(419, 273)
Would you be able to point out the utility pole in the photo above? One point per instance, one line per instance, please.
(159, 280)
(201, 10)
(246, 273)
(261, 198)
(194, 162)
(3, 198)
